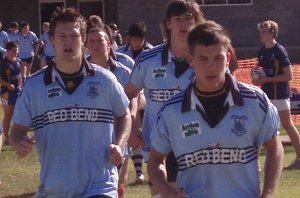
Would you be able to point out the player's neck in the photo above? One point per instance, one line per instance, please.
(179, 49)
(11, 58)
(270, 44)
(68, 67)
(101, 60)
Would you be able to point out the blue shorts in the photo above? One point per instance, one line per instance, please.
(9, 98)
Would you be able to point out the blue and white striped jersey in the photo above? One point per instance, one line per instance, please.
(3, 40)
(221, 161)
(26, 43)
(48, 48)
(73, 131)
(155, 72)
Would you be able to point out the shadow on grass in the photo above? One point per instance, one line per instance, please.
(27, 195)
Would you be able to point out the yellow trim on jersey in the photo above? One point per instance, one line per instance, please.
(277, 66)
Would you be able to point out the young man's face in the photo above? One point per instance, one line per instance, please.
(13, 52)
(97, 43)
(67, 41)
(136, 43)
(45, 28)
(265, 35)
(13, 30)
(25, 29)
(209, 63)
(180, 26)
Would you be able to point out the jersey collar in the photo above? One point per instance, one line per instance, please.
(167, 55)
(51, 74)
(191, 102)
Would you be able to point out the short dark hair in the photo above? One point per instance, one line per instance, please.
(113, 26)
(11, 44)
(177, 8)
(23, 24)
(138, 30)
(208, 33)
(66, 15)
(14, 24)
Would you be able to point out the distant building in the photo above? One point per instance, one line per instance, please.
(240, 17)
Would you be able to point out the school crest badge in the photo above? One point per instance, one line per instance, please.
(93, 89)
(239, 125)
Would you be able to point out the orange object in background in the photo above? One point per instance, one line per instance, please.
(242, 73)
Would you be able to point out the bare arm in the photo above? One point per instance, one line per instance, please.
(285, 77)
(273, 166)
(132, 91)
(10, 87)
(157, 175)
(123, 127)
(20, 141)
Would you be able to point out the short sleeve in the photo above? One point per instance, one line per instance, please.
(138, 75)
(283, 57)
(270, 125)
(160, 140)
(22, 112)
(120, 100)
(34, 38)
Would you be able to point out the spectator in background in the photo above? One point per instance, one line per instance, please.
(137, 40)
(274, 60)
(28, 48)
(126, 38)
(46, 45)
(13, 31)
(10, 80)
(116, 34)
(3, 40)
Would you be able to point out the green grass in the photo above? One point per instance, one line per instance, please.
(20, 176)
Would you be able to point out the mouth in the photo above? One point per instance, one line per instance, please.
(211, 77)
(183, 31)
(68, 50)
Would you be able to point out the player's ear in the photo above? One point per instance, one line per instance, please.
(190, 60)
(228, 55)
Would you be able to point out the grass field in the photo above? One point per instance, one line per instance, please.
(19, 176)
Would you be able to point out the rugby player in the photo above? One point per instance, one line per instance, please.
(274, 60)
(45, 43)
(71, 105)
(215, 127)
(163, 71)
(3, 40)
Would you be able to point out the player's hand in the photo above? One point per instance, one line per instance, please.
(173, 193)
(24, 147)
(258, 82)
(136, 138)
(115, 154)
(11, 87)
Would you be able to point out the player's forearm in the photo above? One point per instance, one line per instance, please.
(123, 128)
(157, 176)
(286, 76)
(17, 135)
(273, 169)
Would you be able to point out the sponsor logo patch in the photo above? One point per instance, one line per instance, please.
(54, 92)
(190, 129)
(160, 72)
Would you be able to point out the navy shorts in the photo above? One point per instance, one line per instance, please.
(27, 60)
(9, 98)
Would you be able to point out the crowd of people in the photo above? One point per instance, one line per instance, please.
(100, 99)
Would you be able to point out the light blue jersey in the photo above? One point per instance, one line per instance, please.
(127, 50)
(155, 73)
(3, 40)
(124, 59)
(121, 72)
(13, 37)
(73, 131)
(48, 48)
(221, 161)
(26, 44)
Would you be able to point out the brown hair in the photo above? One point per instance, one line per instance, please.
(63, 15)
(208, 33)
(179, 7)
(272, 26)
